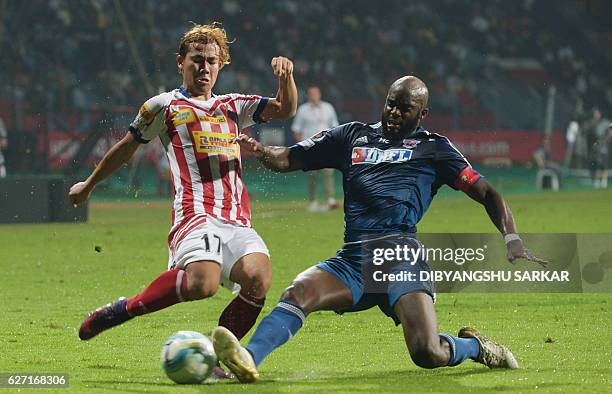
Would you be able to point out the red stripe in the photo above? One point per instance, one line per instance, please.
(243, 217)
(224, 173)
(237, 165)
(186, 229)
(184, 175)
(244, 201)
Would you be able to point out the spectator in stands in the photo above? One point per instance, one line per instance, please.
(548, 169)
(597, 132)
(312, 117)
(601, 177)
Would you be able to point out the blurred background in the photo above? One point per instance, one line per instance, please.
(522, 87)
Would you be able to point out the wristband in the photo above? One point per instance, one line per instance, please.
(511, 237)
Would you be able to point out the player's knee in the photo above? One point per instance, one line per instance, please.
(428, 356)
(200, 286)
(257, 279)
(297, 293)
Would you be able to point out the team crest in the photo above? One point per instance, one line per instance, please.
(410, 143)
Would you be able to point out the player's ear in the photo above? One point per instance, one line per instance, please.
(179, 63)
(424, 113)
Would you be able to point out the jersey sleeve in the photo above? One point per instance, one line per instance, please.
(150, 121)
(452, 168)
(248, 108)
(323, 150)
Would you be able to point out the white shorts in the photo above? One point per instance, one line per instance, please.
(217, 241)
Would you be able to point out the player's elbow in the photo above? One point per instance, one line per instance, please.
(282, 167)
(286, 112)
(280, 110)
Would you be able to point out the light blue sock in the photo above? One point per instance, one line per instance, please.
(275, 329)
(461, 349)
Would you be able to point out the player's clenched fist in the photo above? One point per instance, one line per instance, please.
(79, 192)
(250, 144)
(282, 66)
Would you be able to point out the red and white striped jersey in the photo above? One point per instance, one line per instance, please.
(205, 164)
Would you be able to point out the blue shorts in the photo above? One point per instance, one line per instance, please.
(353, 266)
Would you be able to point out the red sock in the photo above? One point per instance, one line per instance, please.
(240, 315)
(167, 289)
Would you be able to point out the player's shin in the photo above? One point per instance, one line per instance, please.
(241, 314)
(275, 329)
(167, 289)
(461, 349)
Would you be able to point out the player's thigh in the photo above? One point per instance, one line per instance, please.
(418, 317)
(317, 290)
(200, 254)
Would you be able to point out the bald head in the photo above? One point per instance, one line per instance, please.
(414, 87)
(405, 107)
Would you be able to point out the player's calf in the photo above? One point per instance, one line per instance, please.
(429, 355)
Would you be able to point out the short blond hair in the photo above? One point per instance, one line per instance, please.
(207, 34)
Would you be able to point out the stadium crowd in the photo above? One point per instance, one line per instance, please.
(70, 59)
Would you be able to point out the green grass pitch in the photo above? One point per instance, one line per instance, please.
(52, 277)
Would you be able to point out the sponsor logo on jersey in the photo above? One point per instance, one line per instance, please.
(183, 116)
(213, 143)
(410, 143)
(363, 155)
(212, 119)
(145, 114)
(383, 140)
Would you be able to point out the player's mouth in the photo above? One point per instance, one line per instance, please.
(393, 125)
(202, 80)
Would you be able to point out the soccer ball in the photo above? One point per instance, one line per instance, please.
(188, 357)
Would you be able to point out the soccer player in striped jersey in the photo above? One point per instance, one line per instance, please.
(211, 241)
(391, 172)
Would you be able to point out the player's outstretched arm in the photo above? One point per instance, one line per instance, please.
(501, 216)
(275, 158)
(116, 156)
(284, 105)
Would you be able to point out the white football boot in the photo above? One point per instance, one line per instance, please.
(234, 356)
(492, 354)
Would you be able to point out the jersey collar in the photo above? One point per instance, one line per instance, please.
(185, 93)
(419, 132)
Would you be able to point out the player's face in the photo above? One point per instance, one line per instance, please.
(402, 113)
(200, 68)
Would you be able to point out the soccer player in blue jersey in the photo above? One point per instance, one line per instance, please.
(391, 171)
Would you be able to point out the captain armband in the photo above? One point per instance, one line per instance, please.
(467, 177)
